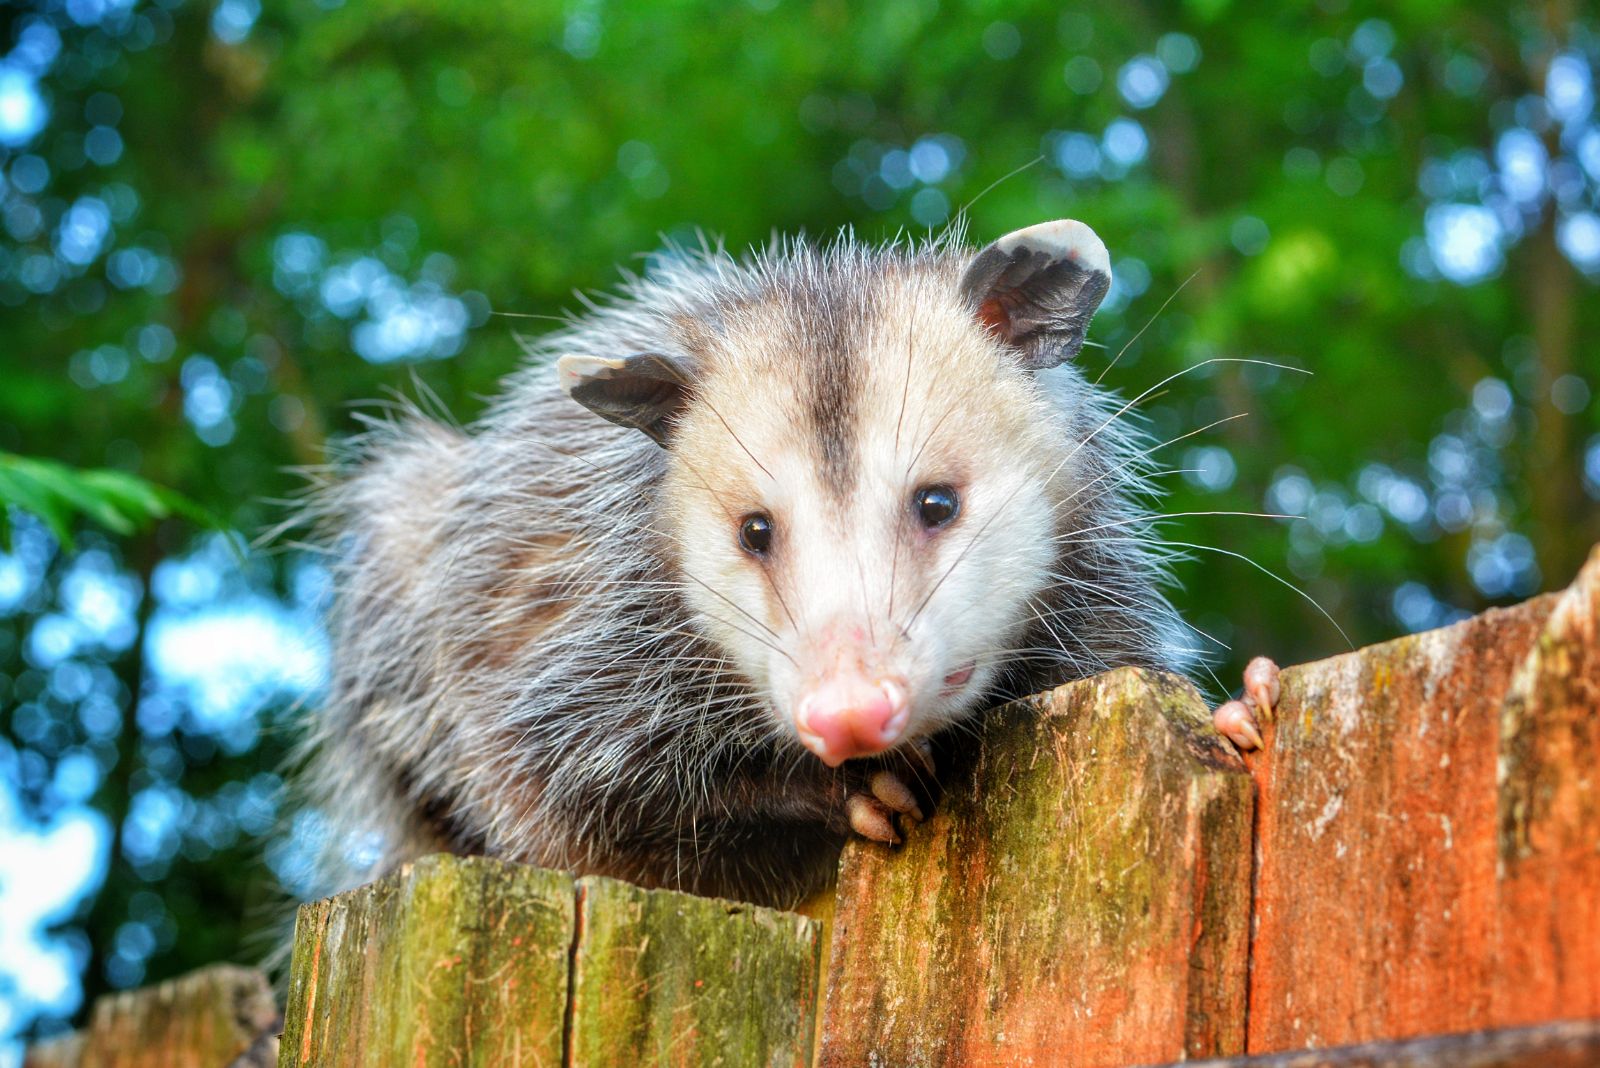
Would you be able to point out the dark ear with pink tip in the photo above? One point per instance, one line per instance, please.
(644, 391)
(1036, 289)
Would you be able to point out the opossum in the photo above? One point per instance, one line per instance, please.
(686, 605)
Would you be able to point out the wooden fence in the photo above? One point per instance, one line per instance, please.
(1415, 852)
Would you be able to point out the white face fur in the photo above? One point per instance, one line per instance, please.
(872, 512)
(855, 572)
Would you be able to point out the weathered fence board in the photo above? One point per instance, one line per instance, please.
(471, 961)
(202, 1020)
(58, 1051)
(1426, 841)
(447, 961)
(1083, 897)
(667, 978)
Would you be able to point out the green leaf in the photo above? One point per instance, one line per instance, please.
(115, 500)
(19, 489)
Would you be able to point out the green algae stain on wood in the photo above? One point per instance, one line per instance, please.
(1550, 735)
(468, 961)
(1081, 894)
(448, 961)
(664, 978)
(1548, 817)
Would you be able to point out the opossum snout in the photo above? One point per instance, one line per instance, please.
(849, 715)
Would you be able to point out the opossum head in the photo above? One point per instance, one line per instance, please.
(865, 472)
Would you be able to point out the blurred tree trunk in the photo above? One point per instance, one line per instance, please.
(1555, 484)
(1560, 530)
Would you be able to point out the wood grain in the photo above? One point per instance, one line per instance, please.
(663, 978)
(1082, 896)
(455, 961)
(448, 961)
(1427, 833)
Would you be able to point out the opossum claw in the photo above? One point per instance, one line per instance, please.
(1235, 723)
(1261, 683)
(887, 787)
(870, 818)
(1236, 719)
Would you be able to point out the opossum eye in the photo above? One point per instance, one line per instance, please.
(936, 505)
(755, 534)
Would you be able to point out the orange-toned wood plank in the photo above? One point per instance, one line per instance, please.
(1080, 895)
(1393, 899)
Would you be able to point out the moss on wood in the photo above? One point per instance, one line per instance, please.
(448, 961)
(671, 979)
(468, 961)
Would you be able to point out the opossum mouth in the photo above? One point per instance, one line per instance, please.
(957, 679)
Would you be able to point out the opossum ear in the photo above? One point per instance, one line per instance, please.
(1037, 288)
(643, 391)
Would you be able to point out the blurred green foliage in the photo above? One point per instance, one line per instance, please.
(239, 219)
(115, 500)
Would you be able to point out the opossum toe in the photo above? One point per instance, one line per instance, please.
(888, 787)
(870, 818)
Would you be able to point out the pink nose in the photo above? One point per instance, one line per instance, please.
(849, 715)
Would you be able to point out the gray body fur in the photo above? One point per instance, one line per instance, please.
(515, 672)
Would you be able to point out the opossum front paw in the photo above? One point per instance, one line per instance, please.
(871, 818)
(1237, 719)
(872, 810)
